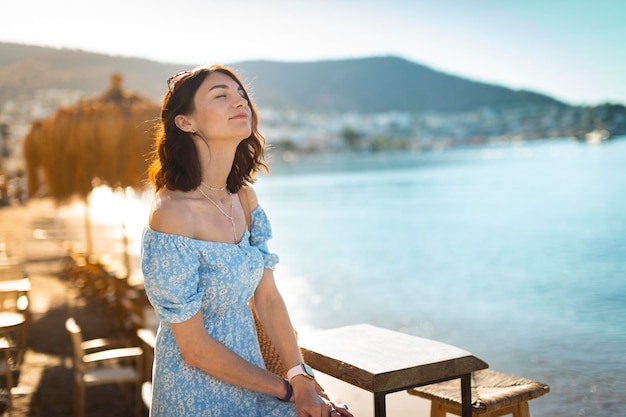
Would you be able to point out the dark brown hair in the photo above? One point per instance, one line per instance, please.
(175, 163)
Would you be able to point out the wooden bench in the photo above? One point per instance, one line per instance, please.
(383, 361)
(494, 394)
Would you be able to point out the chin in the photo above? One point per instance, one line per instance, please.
(246, 134)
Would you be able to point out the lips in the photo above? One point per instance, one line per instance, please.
(243, 116)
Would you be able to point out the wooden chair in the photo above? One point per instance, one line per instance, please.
(147, 340)
(12, 349)
(146, 394)
(494, 394)
(14, 300)
(14, 307)
(103, 361)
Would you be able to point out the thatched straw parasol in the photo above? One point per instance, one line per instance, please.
(101, 141)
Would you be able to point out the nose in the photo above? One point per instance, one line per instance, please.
(240, 102)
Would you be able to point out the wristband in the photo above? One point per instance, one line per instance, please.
(289, 391)
(300, 369)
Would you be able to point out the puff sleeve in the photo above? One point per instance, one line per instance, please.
(171, 279)
(260, 233)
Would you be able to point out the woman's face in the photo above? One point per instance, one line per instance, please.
(221, 109)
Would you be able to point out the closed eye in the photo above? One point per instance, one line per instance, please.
(240, 90)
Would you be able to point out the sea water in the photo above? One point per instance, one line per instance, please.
(514, 252)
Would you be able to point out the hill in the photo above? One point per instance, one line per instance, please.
(373, 84)
(25, 69)
(376, 84)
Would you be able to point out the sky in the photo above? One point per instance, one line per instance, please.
(572, 50)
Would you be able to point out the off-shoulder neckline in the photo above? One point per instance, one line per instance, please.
(246, 234)
(244, 237)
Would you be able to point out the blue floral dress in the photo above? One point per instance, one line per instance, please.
(183, 276)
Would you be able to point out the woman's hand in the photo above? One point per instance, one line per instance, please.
(336, 409)
(309, 403)
(312, 401)
(339, 410)
(320, 390)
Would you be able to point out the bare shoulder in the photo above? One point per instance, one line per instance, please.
(170, 213)
(252, 197)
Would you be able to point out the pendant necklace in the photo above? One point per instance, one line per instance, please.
(232, 208)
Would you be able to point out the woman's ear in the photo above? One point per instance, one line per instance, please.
(184, 123)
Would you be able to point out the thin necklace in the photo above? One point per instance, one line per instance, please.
(212, 188)
(232, 210)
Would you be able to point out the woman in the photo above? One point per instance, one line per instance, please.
(202, 262)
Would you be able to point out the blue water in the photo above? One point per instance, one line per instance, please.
(516, 253)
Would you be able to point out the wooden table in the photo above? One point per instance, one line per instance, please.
(10, 320)
(383, 361)
(14, 295)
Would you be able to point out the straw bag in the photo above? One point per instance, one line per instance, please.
(273, 363)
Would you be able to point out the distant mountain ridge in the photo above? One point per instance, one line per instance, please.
(366, 85)
(376, 84)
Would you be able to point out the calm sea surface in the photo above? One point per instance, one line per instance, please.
(516, 253)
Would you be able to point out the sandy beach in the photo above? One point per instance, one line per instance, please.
(38, 233)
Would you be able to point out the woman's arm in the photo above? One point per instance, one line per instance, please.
(202, 351)
(272, 313)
